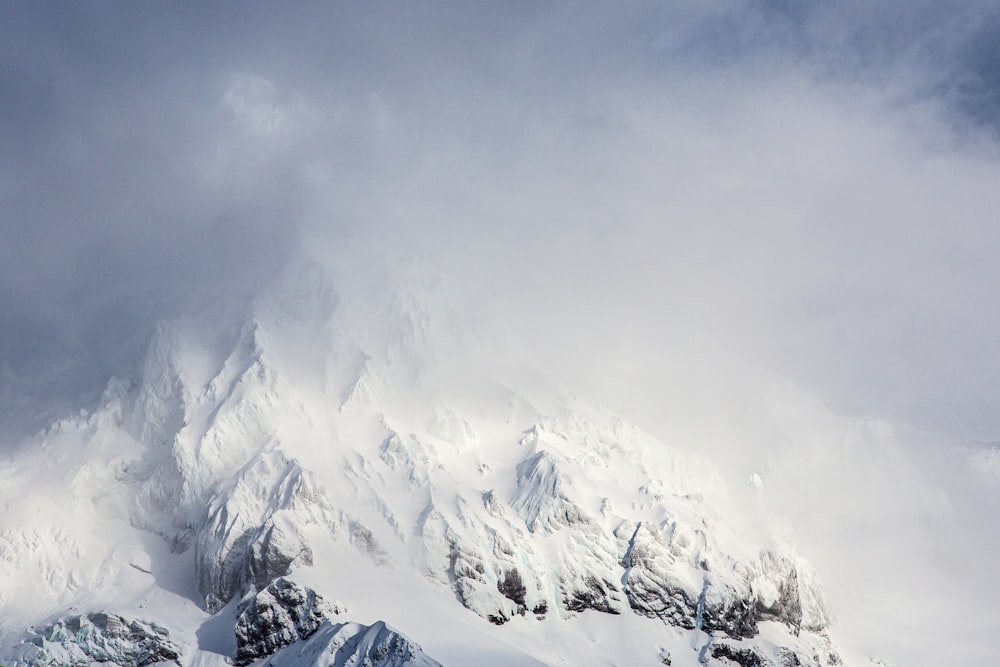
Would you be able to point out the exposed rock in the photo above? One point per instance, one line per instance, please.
(543, 497)
(651, 587)
(816, 652)
(789, 592)
(728, 654)
(591, 593)
(483, 574)
(469, 581)
(281, 614)
(253, 531)
(787, 657)
(78, 641)
(728, 610)
(354, 645)
(513, 588)
(680, 576)
(780, 579)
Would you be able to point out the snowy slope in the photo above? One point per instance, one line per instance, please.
(372, 453)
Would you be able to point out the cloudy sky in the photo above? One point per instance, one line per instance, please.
(815, 187)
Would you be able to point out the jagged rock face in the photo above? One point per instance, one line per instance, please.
(543, 499)
(499, 577)
(590, 593)
(727, 609)
(727, 654)
(512, 587)
(677, 575)
(652, 587)
(488, 583)
(354, 645)
(788, 591)
(280, 615)
(778, 594)
(78, 641)
(678, 569)
(253, 531)
(724, 653)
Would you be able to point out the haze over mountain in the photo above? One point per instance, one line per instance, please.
(682, 314)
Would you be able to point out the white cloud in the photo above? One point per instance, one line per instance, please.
(261, 109)
(787, 179)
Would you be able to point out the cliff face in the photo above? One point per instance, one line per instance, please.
(280, 615)
(100, 637)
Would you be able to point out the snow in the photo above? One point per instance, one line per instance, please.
(374, 454)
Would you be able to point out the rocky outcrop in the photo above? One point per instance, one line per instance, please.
(590, 593)
(727, 653)
(674, 574)
(280, 615)
(253, 531)
(79, 641)
(682, 577)
(354, 645)
(487, 583)
(652, 587)
(788, 591)
(543, 499)
(512, 588)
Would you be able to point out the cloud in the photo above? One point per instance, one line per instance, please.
(261, 110)
(810, 186)
(645, 196)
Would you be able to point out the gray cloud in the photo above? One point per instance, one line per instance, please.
(810, 185)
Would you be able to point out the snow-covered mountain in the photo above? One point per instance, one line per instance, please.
(344, 481)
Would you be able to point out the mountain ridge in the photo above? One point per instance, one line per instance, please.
(299, 448)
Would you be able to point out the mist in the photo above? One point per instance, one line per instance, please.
(810, 188)
(670, 208)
